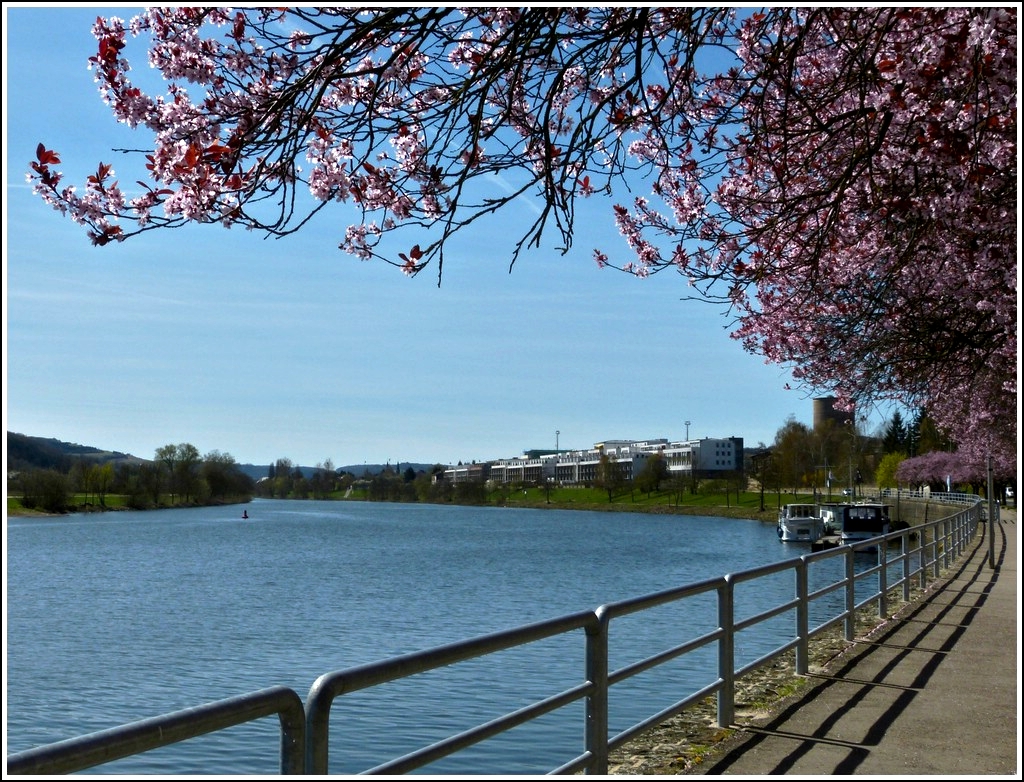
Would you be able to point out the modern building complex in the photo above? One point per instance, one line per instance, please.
(703, 458)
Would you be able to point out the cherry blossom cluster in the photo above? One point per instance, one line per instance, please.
(865, 232)
(842, 179)
(942, 468)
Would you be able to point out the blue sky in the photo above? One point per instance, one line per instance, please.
(290, 348)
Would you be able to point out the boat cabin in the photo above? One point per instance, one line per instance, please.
(832, 516)
(799, 522)
(863, 521)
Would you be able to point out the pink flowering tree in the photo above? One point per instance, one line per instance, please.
(936, 468)
(842, 180)
(929, 469)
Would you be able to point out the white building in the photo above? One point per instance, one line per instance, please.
(702, 458)
(706, 458)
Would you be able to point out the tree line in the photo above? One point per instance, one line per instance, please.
(177, 476)
(286, 480)
(833, 458)
(829, 458)
(824, 459)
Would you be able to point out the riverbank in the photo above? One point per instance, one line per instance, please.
(680, 744)
(934, 692)
(16, 509)
(736, 511)
(723, 511)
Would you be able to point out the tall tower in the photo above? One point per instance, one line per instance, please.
(825, 410)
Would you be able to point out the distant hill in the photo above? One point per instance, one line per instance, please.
(48, 453)
(257, 471)
(359, 470)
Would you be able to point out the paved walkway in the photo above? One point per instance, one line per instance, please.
(933, 694)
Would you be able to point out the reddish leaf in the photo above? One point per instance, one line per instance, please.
(46, 156)
(217, 151)
(109, 233)
(101, 174)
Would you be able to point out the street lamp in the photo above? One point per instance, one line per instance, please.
(687, 430)
(759, 460)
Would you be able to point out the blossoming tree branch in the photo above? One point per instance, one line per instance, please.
(842, 180)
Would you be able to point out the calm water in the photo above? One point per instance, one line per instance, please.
(123, 616)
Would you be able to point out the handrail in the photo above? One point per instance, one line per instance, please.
(330, 685)
(926, 495)
(66, 757)
(305, 735)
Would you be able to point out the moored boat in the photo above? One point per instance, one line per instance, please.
(864, 521)
(800, 522)
(832, 517)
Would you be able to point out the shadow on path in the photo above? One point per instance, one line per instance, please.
(851, 711)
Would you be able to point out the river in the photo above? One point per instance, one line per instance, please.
(117, 617)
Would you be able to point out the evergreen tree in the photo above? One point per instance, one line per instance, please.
(895, 438)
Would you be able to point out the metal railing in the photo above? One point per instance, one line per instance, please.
(923, 552)
(941, 497)
(66, 757)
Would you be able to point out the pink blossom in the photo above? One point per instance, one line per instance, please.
(845, 185)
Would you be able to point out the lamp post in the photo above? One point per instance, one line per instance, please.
(554, 469)
(759, 469)
(687, 430)
(849, 462)
(992, 509)
(828, 480)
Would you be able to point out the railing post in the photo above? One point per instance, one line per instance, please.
(922, 575)
(726, 654)
(883, 579)
(318, 715)
(957, 535)
(851, 596)
(596, 728)
(802, 618)
(905, 549)
(293, 741)
(947, 539)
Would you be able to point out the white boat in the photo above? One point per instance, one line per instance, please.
(864, 521)
(832, 517)
(800, 522)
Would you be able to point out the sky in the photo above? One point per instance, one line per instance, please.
(267, 349)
